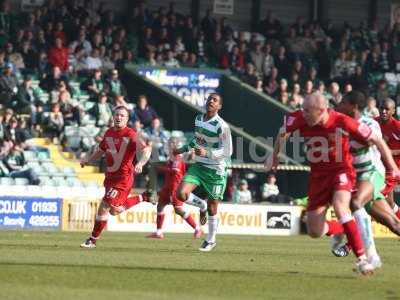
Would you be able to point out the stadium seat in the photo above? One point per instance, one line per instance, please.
(43, 156)
(46, 181)
(21, 181)
(59, 181)
(69, 172)
(7, 181)
(30, 156)
(74, 182)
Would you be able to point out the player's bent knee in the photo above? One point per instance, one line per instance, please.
(178, 210)
(183, 195)
(356, 204)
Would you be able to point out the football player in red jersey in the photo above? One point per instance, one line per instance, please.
(174, 171)
(120, 146)
(332, 178)
(390, 128)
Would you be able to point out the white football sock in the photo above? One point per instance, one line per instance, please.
(196, 201)
(212, 228)
(363, 221)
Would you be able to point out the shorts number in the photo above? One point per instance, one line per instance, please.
(112, 193)
(217, 189)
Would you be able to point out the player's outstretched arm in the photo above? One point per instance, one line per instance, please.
(271, 163)
(385, 152)
(91, 157)
(144, 152)
(185, 148)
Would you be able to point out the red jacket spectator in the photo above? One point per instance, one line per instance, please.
(58, 55)
(234, 60)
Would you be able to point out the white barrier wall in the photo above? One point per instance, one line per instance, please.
(233, 219)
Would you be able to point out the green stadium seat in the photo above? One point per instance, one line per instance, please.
(69, 172)
(30, 156)
(7, 181)
(21, 181)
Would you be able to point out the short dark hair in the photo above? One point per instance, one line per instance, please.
(356, 98)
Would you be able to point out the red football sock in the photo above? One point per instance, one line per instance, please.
(98, 227)
(132, 201)
(354, 237)
(190, 221)
(334, 228)
(160, 220)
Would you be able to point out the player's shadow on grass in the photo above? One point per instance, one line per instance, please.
(191, 270)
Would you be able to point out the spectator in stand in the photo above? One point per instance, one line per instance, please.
(334, 97)
(215, 49)
(268, 62)
(272, 86)
(16, 166)
(339, 71)
(371, 110)
(30, 57)
(184, 59)
(55, 125)
(27, 99)
(143, 112)
(233, 60)
(269, 189)
(114, 85)
(14, 133)
(14, 57)
(282, 88)
(93, 61)
(68, 108)
(156, 134)
(151, 61)
(81, 42)
(52, 81)
(8, 86)
(208, 25)
(250, 76)
(102, 111)
(309, 88)
(94, 85)
(58, 55)
(59, 33)
(242, 195)
(257, 57)
(282, 63)
(347, 88)
(170, 60)
(192, 61)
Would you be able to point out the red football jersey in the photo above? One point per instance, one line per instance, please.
(391, 134)
(174, 171)
(120, 151)
(328, 144)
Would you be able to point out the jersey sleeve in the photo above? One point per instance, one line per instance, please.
(358, 131)
(292, 122)
(396, 125)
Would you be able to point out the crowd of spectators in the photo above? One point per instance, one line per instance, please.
(82, 41)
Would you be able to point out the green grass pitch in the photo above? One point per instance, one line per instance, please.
(50, 265)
